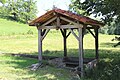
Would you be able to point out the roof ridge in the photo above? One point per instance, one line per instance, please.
(70, 14)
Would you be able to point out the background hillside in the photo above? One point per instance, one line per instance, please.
(8, 27)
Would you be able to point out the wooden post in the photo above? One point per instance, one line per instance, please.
(83, 33)
(64, 32)
(80, 51)
(65, 43)
(96, 43)
(40, 45)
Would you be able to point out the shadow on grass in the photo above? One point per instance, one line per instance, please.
(108, 67)
(20, 64)
(109, 45)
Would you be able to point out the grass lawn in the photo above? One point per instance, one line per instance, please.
(15, 68)
(20, 38)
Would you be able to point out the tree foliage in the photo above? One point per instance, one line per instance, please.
(2, 1)
(107, 10)
(19, 10)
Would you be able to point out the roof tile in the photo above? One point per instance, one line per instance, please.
(80, 18)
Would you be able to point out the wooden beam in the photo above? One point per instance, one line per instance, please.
(68, 26)
(61, 27)
(96, 43)
(40, 45)
(48, 21)
(90, 28)
(91, 33)
(65, 43)
(74, 34)
(80, 51)
(62, 32)
(58, 22)
(68, 34)
(47, 27)
(70, 21)
(45, 33)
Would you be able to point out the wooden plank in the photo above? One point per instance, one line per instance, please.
(47, 30)
(80, 51)
(48, 21)
(40, 45)
(96, 43)
(76, 24)
(74, 34)
(34, 67)
(91, 64)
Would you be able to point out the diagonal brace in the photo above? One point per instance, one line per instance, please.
(45, 33)
(91, 33)
(74, 34)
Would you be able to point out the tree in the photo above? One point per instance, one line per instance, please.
(2, 1)
(19, 10)
(29, 10)
(107, 10)
(3, 10)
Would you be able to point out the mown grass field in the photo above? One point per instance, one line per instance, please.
(20, 38)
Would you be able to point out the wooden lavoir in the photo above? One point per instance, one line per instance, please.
(67, 22)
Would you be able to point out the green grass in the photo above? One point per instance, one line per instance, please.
(15, 68)
(14, 38)
(13, 28)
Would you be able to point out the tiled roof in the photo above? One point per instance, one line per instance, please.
(50, 14)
